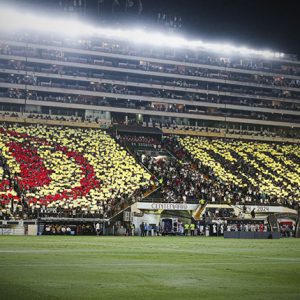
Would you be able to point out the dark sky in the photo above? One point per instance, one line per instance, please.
(271, 24)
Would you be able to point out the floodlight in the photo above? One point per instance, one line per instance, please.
(12, 19)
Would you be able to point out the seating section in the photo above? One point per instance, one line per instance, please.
(58, 169)
(180, 183)
(248, 170)
(177, 182)
(65, 167)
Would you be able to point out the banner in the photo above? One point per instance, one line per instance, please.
(166, 206)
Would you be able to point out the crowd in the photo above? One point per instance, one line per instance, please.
(162, 88)
(144, 105)
(212, 213)
(66, 229)
(247, 226)
(247, 171)
(53, 117)
(219, 171)
(180, 182)
(205, 71)
(289, 133)
(66, 170)
(59, 171)
(287, 230)
(188, 56)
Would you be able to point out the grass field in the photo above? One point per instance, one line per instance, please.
(148, 268)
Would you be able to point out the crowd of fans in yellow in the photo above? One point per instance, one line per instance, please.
(271, 169)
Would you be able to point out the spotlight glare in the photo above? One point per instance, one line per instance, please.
(14, 20)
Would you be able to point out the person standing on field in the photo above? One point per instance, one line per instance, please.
(142, 227)
(97, 229)
(186, 229)
(192, 229)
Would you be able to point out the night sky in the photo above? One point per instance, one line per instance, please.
(262, 24)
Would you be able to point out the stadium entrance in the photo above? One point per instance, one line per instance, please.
(165, 218)
(288, 224)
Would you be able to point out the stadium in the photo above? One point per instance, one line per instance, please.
(140, 164)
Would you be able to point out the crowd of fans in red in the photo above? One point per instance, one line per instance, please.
(34, 174)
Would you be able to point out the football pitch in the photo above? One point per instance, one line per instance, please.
(57, 267)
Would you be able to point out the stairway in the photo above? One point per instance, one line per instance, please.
(199, 211)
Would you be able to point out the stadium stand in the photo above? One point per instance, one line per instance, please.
(268, 173)
(207, 128)
(206, 90)
(66, 168)
(220, 170)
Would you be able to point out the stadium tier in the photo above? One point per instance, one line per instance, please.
(116, 81)
(73, 169)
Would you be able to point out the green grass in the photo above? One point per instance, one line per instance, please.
(148, 268)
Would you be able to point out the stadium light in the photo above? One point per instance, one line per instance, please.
(12, 19)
